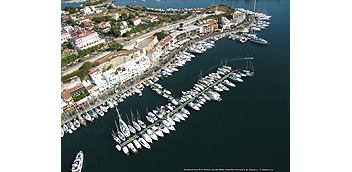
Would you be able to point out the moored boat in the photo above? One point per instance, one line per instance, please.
(144, 143)
(78, 162)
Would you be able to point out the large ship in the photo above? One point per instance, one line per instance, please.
(259, 40)
(78, 162)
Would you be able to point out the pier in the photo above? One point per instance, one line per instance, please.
(175, 110)
(163, 92)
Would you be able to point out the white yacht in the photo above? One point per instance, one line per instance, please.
(102, 108)
(193, 106)
(142, 124)
(150, 119)
(115, 137)
(152, 134)
(110, 104)
(228, 83)
(118, 147)
(137, 144)
(99, 112)
(234, 78)
(93, 114)
(144, 143)
(172, 122)
(62, 132)
(147, 138)
(78, 162)
(132, 148)
(71, 126)
(125, 150)
(65, 128)
(76, 123)
(164, 129)
(152, 115)
(175, 118)
(157, 131)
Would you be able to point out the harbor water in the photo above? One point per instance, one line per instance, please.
(249, 128)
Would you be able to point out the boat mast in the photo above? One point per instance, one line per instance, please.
(128, 120)
(138, 115)
(247, 63)
(200, 75)
(255, 1)
(117, 128)
(252, 65)
(132, 115)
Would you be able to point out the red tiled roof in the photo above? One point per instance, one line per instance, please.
(66, 93)
(151, 51)
(96, 70)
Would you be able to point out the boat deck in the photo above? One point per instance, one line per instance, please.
(175, 110)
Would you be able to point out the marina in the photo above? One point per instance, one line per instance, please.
(143, 132)
(255, 111)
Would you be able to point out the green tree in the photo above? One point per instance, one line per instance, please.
(160, 35)
(70, 9)
(115, 46)
(87, 65)
(124, 16)
(71, 21)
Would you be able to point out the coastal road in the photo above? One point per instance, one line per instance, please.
(91, 58)
(168, 26)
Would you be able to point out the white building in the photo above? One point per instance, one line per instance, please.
(99, 80)
(112, 77)
(86, 39)
(226, 23)
(124, 73)
(238, 17)
(82, 20)
(86, 10)
(160, 48)
(123, 24)
(124, 31)
(104, 26)
(136, 21)
(148, 19)
(67, 28)
(65, 36)
(143, 63)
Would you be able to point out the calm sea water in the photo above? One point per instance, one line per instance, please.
(249, 128)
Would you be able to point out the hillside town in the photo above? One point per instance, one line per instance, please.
(106, 48)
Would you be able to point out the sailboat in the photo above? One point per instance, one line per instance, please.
(123, 126)
(132, 130)
(141, 123)
(135, 124)
(119, 134)
(114, 136)
(82, 120)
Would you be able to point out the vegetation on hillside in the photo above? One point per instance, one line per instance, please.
(160, 35)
